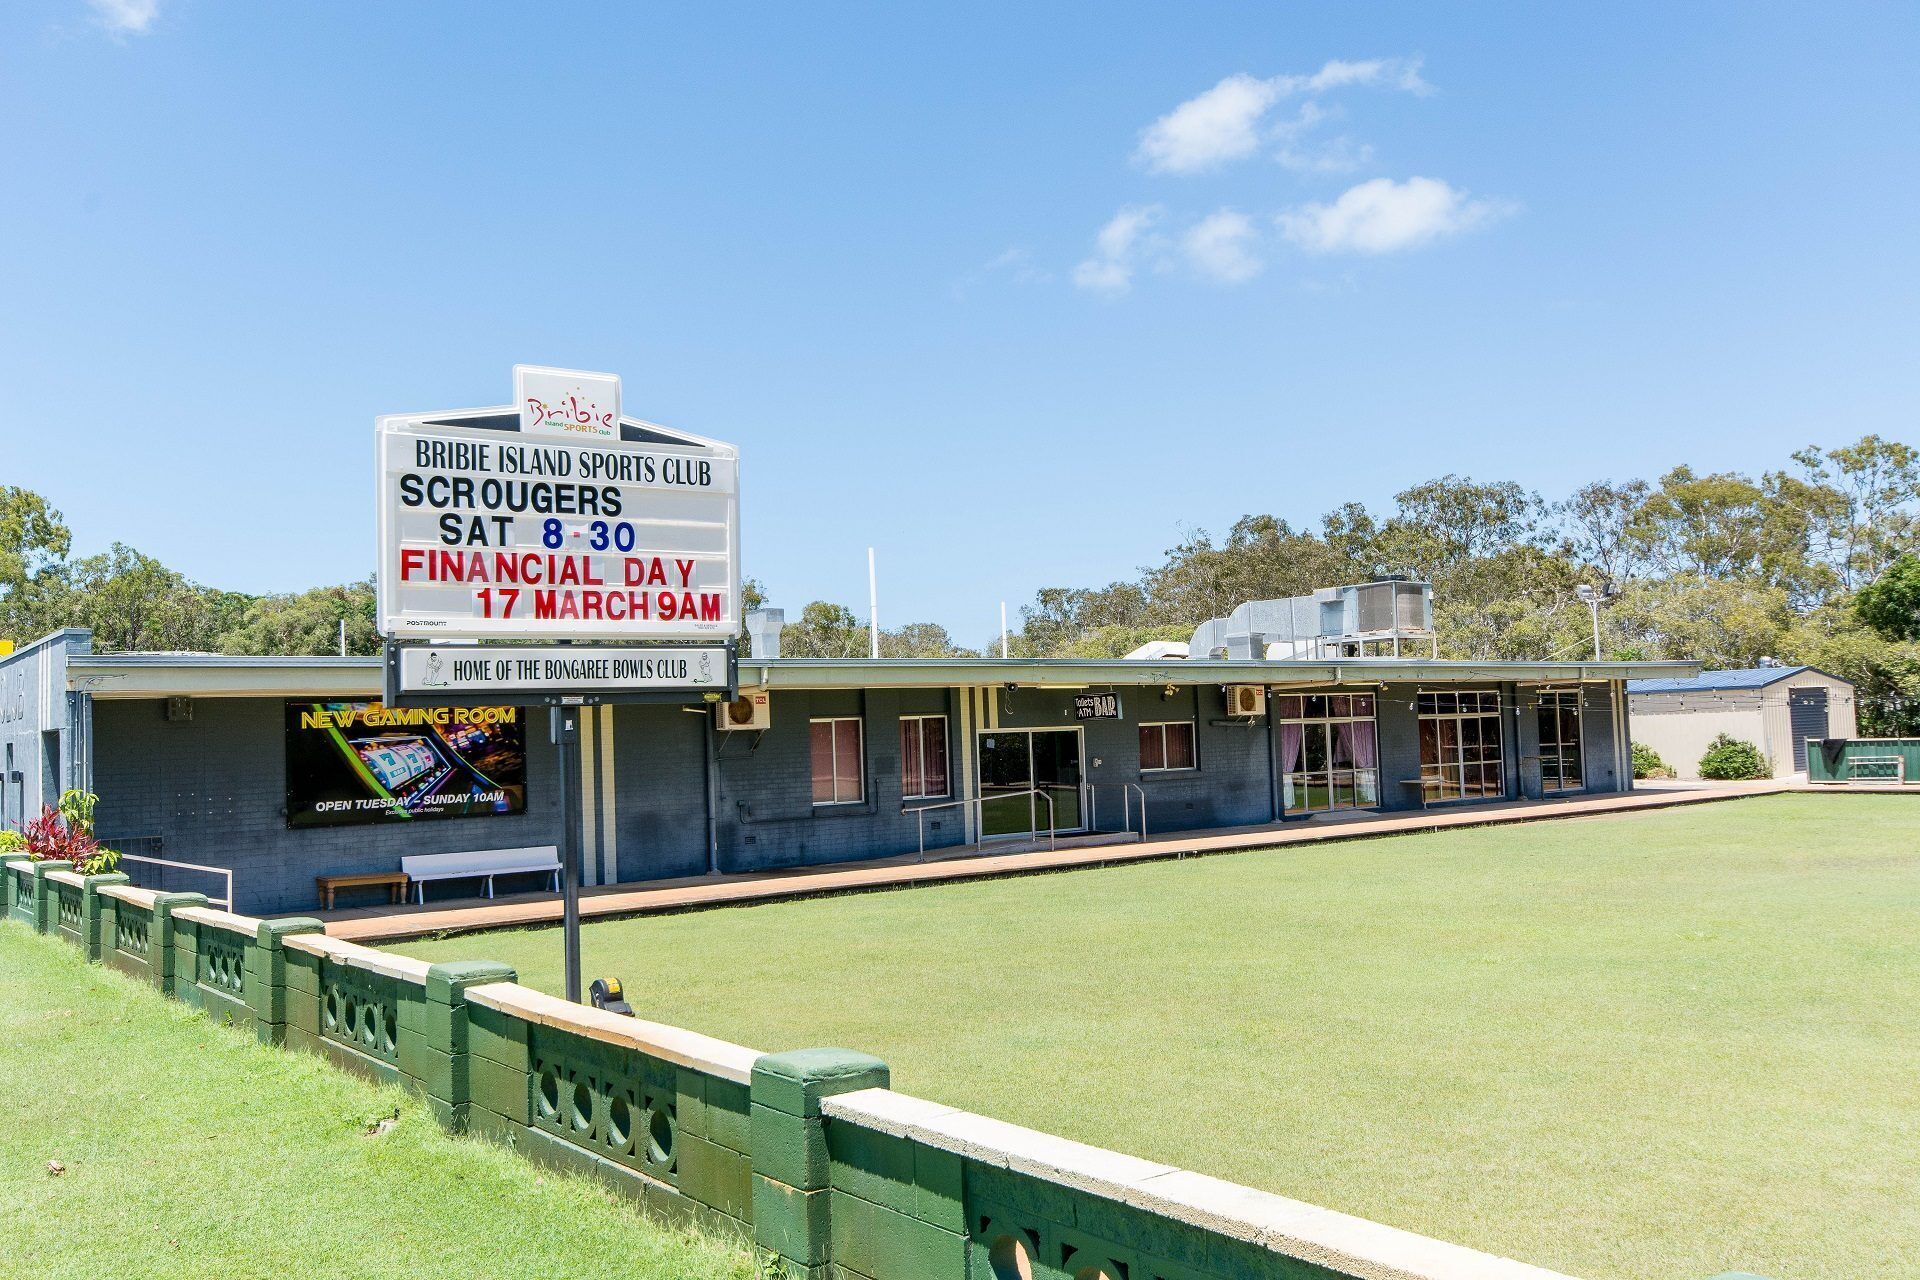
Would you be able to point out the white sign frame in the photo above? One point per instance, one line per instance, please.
(526, 675)
(496, 427)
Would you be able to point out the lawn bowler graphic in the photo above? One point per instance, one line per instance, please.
(362, 762)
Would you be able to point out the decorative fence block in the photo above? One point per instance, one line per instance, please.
(67, 911)
(128, 930)
(22, 888)
(210, 951)
(360, 1007)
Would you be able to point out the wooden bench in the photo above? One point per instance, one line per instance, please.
(481, 864)
(395, 882)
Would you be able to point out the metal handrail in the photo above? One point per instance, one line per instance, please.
(226, 873)
(979, 820)
(1127, 792)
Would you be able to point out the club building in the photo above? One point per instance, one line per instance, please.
(285, 768)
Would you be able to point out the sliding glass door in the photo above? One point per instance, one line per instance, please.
(1328, 753)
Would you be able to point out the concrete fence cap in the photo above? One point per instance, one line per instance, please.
(352, 954)
(127, 893)
(218, 919)
(72, 879)
(669, 1044)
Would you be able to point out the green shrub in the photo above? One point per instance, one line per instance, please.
(11, 842)
(1648, 764)
(1731, 760)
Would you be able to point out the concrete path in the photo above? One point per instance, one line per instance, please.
(386, 924)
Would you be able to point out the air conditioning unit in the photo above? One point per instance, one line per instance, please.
(1246, 699)
(753, 709)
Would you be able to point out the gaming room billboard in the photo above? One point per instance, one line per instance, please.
(362, 762)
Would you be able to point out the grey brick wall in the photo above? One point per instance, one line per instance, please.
(214, 789)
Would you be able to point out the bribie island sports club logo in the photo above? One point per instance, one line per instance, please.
(567, 402)
(573, 413)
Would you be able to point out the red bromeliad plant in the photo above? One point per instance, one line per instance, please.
(65, 834)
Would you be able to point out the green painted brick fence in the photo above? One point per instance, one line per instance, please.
(808, 1155)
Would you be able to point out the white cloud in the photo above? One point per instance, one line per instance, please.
(1110, 269)
(125, 17)
(1218, 125)
(1380, 73)
(1220, 247)
(1383, 216)
(1224, 122)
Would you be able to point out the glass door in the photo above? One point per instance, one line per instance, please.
(1015, 763)
(1560, 740)
(1056, 771)
(1006, 765)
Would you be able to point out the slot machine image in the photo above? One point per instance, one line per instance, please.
(409, 768)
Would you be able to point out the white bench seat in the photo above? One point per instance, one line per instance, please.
(483, 864)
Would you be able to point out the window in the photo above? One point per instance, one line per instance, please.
(1329, 758)
(1166, 746)
(1560, 740)
(923, 757)
(1461, 751)
(837, 776)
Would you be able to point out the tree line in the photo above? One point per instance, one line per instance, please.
(1811, 563)
(131, 601)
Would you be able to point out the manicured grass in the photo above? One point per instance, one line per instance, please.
(191, 1150)
(1654, 1045)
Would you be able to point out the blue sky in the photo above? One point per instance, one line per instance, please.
(1015, 294)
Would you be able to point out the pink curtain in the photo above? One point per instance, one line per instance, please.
(1290, 742)
(1357, 744)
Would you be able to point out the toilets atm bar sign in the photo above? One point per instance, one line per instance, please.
(518, 675)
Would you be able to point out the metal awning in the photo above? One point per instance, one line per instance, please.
(155, 675)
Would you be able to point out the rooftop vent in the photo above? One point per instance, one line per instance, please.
(763, 631)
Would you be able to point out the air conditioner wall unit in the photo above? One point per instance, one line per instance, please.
(752, 710)
(1246, 700)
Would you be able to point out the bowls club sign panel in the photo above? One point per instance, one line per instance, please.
(490, 530)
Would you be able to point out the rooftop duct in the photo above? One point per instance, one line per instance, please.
(1371, 619)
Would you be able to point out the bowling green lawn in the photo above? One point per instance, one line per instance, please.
(189, 1149)
(1665, 1044)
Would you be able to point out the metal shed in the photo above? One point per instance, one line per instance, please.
(1777, 709)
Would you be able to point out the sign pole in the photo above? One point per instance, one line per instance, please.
(565, 723)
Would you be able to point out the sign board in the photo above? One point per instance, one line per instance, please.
(567, 402)
(368, 762)
(490, 530)
(522, 674)
(1096, 706)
